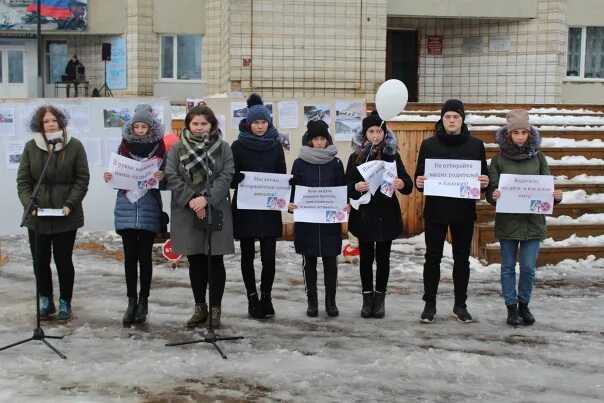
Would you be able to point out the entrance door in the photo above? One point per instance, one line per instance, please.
(402, 59)
(13, 78)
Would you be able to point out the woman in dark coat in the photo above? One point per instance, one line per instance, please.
(64, 186)
(317, 166)
(378, 222)
(137, 213)
(257, 149)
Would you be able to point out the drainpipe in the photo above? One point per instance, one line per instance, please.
(40, 51)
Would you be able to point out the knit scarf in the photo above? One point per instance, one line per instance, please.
(267, 142)
(192, 155)
(512, 151)
(318, 156)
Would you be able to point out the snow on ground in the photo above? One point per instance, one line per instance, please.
(581, 196)
(296, 358)
(573, 240)
(583, 178)
(583, 219)
(561, 142)
(574, 160)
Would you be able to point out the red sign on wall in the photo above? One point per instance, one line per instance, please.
(434, 45)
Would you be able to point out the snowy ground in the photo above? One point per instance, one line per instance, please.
(295, 358)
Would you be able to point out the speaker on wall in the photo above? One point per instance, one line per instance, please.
(106, 51)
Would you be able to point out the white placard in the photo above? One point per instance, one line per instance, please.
(288, 114)
(387, 185)
(322, 205)
(13, 151)
(452, 178)
(372, 172)
(129, 174)
(526, 194)
(263, 191)
(50, 212)
(92, 145)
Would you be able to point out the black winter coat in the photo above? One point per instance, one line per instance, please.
(312, 239)
(380, 219)
(450, 210)
(256, 223)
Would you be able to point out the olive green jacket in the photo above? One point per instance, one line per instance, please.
(65, 184)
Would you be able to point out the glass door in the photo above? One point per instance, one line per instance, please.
(12, 72)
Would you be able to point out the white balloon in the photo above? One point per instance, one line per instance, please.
(391, 98)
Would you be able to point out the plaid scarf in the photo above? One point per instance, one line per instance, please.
(193, 152)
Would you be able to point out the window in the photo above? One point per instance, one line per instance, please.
(180, 57)
(56, 59)
(15, 67)
(585, 52)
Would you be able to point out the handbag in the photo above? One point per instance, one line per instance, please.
(217, 220)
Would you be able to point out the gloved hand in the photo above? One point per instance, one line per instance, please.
(239, 177)
(292, 181)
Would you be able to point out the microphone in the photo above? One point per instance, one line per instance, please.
(53, 142)
(205, 136)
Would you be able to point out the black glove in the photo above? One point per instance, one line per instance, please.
(239, 177)
(292, 181)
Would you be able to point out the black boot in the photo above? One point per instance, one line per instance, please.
(313, 305)
(141, 311)
(367, 309)
(267, 304)
(330, 304)
(254, 309)
(429, 312)
(525, 314)
(379, 309)
(130, 311)
(513, 319)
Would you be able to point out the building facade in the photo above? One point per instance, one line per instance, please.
(513, 51)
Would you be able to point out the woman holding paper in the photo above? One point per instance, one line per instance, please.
(137, 213)
(257, 149)
(377, 222)
(518, 155)
(317, 166)
(63, 188)
(187, 176)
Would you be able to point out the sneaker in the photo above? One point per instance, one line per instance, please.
(65, 314)
(429, 312)
(462, 314)
(525, 314)
(47, 308)
(200, 315)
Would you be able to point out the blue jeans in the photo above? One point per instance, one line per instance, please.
(529, 251)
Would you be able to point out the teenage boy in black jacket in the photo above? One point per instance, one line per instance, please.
(452, 140)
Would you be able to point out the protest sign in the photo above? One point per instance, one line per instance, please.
(452, 178)
(129, 174)
(322, 205)
(525, 194)
(263, 191)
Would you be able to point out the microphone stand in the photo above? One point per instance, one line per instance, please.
(210, 336)
(33, 205)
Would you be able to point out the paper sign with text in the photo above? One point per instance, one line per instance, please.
(526, 194)
(452, 178)
(322, 205)
(129, 174)
(263, 191)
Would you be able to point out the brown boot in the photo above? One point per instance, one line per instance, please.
(216, 316)
(200, 315)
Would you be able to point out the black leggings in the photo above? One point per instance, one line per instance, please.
(60, 245)
(461, 239)
(267, 256)
(380, 251)
(138, 245)
(330, 273)
(198, 274)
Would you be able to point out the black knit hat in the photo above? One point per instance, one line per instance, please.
(316, 128)
(372, 120)
(453, 105)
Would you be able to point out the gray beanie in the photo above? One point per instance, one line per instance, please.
(143, 113)
(517, 119)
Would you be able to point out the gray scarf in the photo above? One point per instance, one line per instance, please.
(318, 156)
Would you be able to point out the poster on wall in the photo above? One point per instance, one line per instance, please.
(349, 115)
(79, 121)
(500, 43)
(239, 112)
(7, 122)
(434, 45)
(117, 67)
(472, 44)
(13, 151)
(288, 114)
(317, 112)
(115, 117)
(68, 15)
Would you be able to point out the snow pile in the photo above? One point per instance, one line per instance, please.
(583, 178)
(581, 196)
(562, 142)
(574, 160)
(584, 219)
(574, 240)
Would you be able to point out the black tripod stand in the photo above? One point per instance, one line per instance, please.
(105, 86)
(210, 336)
(33, 205)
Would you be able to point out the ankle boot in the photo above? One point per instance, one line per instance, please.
(216, 311)
(379, 309)
(200, 315)
(267, 304)
(525, 314)
(47, 308)
(367, 309)
(330, 304)
(313, 305)
(513, 319)
(141, 310)
(254, 308)
(130, 311)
